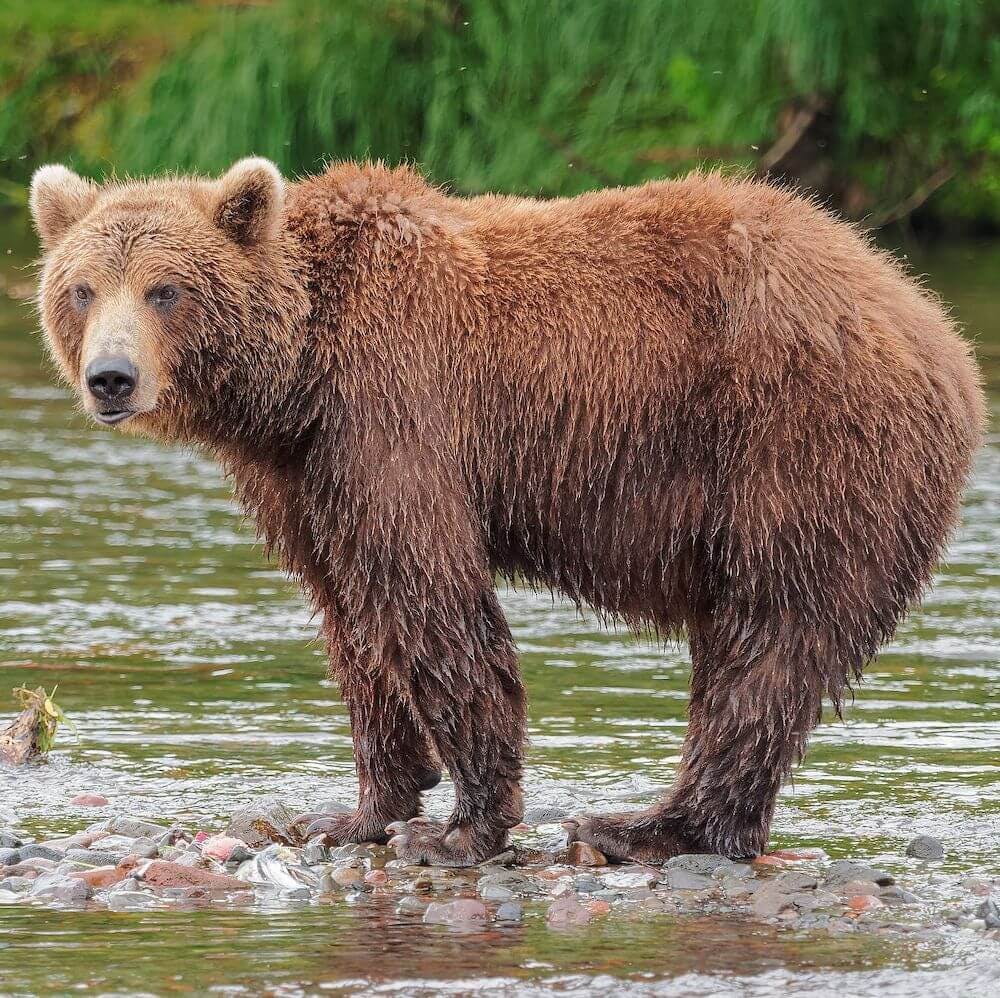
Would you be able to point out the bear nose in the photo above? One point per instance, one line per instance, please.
(111, 379)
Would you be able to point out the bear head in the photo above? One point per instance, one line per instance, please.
(173, 307)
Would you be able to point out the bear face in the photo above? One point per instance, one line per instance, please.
(150, 288)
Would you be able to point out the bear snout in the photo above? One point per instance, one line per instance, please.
(112, 381)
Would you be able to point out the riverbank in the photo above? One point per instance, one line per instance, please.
(123, 863)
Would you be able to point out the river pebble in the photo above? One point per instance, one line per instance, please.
(568, 911)
(544, 815)
(510, 911)
(90, 800)
(465, 911)
(106, 866)
(36, 850)
(989, 912)
(262, 823)
(925, 847)
(685, 880)
(843, 871)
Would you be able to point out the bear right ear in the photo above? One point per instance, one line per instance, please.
(59, 198)
(249, 201)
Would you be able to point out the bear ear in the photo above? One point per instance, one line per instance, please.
(59, 198)
(250, 198)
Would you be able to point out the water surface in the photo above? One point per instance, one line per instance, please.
(191, 670)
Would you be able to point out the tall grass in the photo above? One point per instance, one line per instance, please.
(554, 96)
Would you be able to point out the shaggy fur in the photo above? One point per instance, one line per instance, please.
(700, 406)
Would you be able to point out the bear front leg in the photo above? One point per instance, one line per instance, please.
(472, 701)
(394, 760)
(411, 590)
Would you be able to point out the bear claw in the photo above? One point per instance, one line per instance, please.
(340, 829)
(639, 837)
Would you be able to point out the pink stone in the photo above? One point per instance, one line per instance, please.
(90, 800)
(219, 847)
(568, 911)
(584, 854)
(864, 902)
(798, 855)
(460, 912)
(769, 860)
(377, 877)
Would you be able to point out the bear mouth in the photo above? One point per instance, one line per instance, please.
(110, 417)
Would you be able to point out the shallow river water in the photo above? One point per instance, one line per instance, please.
(192, 674)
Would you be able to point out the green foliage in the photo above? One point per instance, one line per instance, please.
(887, 100)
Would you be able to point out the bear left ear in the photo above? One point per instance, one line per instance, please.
(250, 198)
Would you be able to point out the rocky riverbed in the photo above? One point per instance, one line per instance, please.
(124, 863)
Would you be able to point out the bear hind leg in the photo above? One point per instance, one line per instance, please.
(756, 696)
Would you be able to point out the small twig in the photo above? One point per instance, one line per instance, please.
(908, 205)
(790, 137)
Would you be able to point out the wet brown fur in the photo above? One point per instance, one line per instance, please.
(700, 406)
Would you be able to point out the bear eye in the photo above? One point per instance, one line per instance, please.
(81, 295)
(163, 296)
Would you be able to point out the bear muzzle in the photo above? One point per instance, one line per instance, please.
(112, 381)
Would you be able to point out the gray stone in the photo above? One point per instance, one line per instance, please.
(607, 895)
(314, 852)
(35, 850)
(510, 880)
(686, 880)
(896, 895)
(544, 815)
(146, 849)
(792, 881)
(355, 850)
(587, 883)
(263, 822)
(494, 892)
(133, 828)
(9, 856)
(240, 854)
(410, 905)
(811, 900)
(844, 870)
(511, 911)
(93, 857)
(702, 863)
(16, 884)
(989, 912)
(295, 894)
(8, 840)
(737, 887)
(131, 901)
(768, 903)
(925, 847)
(631, 876)
(56, 887)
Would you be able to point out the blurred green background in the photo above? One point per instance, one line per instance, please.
(888, 110)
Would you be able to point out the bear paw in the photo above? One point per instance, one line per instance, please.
(421, 841)
(341, 829)
(637, 837)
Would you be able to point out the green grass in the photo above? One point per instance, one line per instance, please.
(895, 98)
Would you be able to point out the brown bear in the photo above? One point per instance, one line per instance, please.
(700, 406)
